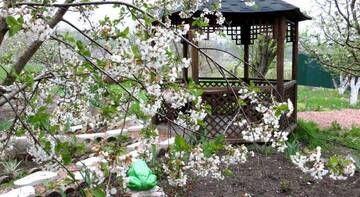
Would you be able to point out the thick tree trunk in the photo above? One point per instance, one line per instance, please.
(355, 87)
(344, 84)
(265, 54)
(34, 46)
(3, 25)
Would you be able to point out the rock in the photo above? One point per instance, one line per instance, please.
(76, 128)
(5, 179)
(26, 191)
(155, 192)
(89, 136)
(36, 178)
(116, 132)
(136, 128)
(89, 162)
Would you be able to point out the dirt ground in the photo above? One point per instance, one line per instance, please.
(346, 118)
(271, 176)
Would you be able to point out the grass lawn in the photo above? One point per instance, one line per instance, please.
(322, 99)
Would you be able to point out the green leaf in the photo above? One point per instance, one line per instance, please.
(181, 145)
(125, 33)
(213, 146)
(82, 48)
(98, 192)
(199, 22)
(5, 125)
(68, 37)
(148, 21)
(14, 25)
(253, 87)
(40, 119)
(280, 109)
(63, 149)
(136, 51)
(228, 172)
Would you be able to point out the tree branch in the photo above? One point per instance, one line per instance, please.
(22, 87)
(34, 46)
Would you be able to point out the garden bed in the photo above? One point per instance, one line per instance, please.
(271, 175)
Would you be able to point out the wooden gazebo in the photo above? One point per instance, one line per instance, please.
(243, 24)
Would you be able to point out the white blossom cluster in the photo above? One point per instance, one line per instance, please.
(315, 165)
(178, 166)
(34, 28)
(174, 168)
(268, 130)
(203, 166)
(236, 155)
(70, 108)
(312, 164)
(343, 172)
(37, 30)
(190, 122)
(220, 19)
(38, 153)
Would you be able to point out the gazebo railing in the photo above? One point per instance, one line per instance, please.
(219, 94)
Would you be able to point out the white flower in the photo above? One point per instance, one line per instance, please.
(249, 3)
(154, 89)
(290, 107)
(113, 191)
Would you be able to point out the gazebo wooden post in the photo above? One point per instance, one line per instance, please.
(185, 52)
(280, 28)
(295, 53)
(194, 59)
(245, 40)
(246, 63)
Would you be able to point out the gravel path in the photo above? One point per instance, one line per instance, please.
(346, 118)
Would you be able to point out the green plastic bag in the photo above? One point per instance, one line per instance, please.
(140, 176)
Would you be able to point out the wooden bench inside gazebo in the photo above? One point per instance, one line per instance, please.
(243, 24)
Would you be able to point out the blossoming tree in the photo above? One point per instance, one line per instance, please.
(113, 72)
(337, 45)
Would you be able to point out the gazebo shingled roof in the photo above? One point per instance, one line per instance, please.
(237, 12)
(243, 24)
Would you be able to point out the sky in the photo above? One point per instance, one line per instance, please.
(107, 10)
(306, 6)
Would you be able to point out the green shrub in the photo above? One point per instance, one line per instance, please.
(308, 133)
(292, 148)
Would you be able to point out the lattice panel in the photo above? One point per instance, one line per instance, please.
(256, 30)
(249, 34)
(224, 110)
(234, 33)
(290, 32)
(211, 29)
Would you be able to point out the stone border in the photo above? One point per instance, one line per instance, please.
(21, 143)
